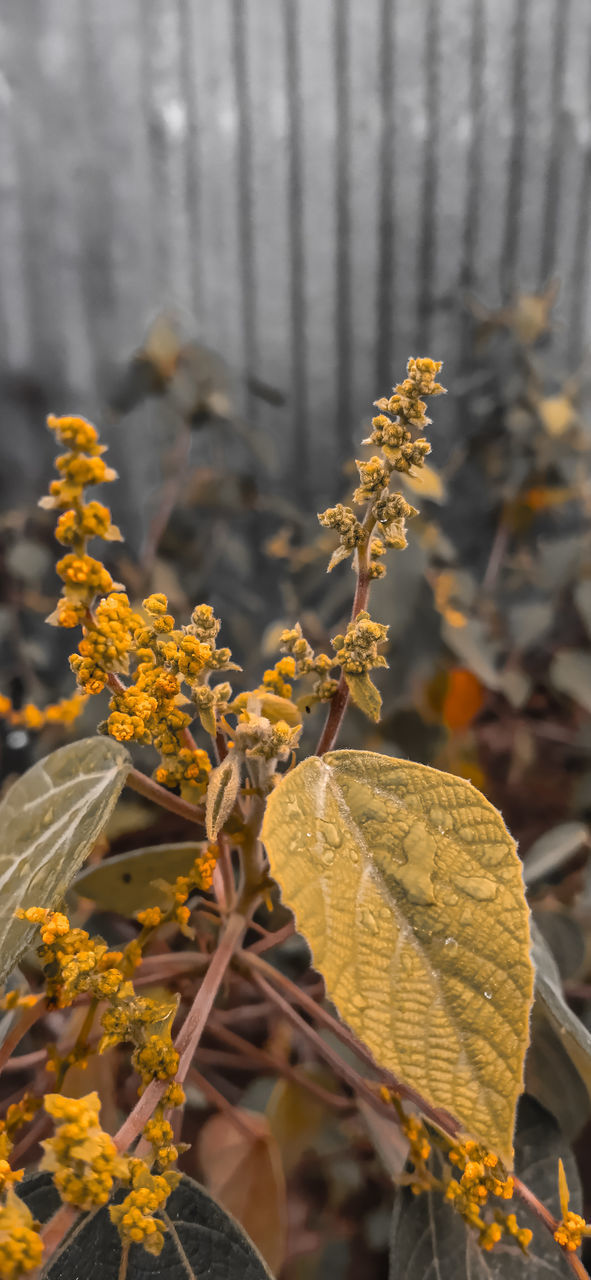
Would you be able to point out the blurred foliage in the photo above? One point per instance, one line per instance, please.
(490, 679)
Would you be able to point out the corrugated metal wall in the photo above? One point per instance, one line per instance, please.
(315, 182)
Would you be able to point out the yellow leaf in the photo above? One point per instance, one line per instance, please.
(427, 482)
(407, 886)
(364, 694)
(222, 789)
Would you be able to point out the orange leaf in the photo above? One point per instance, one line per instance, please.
(242, 1168)
(463, 699)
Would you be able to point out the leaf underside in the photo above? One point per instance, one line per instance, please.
(50, 819)
(408, 889)
(202, 1241)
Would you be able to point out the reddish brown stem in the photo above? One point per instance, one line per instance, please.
(27, 1019)
(273, 1063)
(340, 699)
(273, 939)
(166, 799)
(217, 1099)
(191, 1030)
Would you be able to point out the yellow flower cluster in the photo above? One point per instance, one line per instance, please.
(73, 962)
(134, 1217)
(573, 1227)
(400, 414)
(85, 1165)
(21, 1249)
(155, 1059)
(200, 877)
(306, 662)
(31, 717)
(159, 1134)
(357, 651)
(482, 1176)
(257, 737)
(83, 1158)
(83, 577)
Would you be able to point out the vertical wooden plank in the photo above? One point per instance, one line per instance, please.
(539, 40)
(498, 123)
(15, 335)
(412, 163)
(167, 124)
(554, 156)
(117, 212)
(218, 308)
(452, 126)
(317, 109)
(572, 241)
(383, 182)
(270, 214)
(370, 196)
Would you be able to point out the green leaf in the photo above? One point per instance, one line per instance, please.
(364, 694)
(407, 886)
(202, 1241)
(50, 819)
(430, 1241)
(222, 790)
(125, 883)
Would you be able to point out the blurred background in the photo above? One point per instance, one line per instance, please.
(223, 230)
(224, 227)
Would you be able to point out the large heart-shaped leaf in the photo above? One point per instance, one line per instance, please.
(201, 1241)
(408, 888)
(49, 820)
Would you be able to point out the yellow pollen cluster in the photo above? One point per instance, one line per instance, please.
(31, 717)
(573, 1227)
(357, 651)
(134, 1217)
(82, 1158)
(21, 1249)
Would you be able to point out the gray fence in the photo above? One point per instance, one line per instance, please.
(316, 183)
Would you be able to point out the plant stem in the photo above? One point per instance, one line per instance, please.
(191, 1030)
(340, 699)
(27, 1019)
(274, 1063)
(166, 799)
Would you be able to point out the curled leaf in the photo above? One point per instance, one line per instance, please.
(222, 790)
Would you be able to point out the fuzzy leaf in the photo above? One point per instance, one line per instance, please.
(364, 694)
(202, 1241)
(430, 1241)
(407, 886)
(125, 883)
(50, 819)
(243, 1170)
(222, 790)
